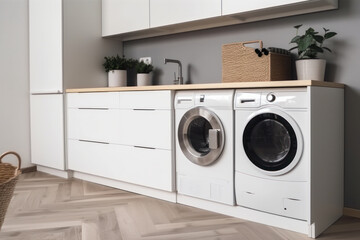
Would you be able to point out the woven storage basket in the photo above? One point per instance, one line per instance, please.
(8, 178)
(242, 64)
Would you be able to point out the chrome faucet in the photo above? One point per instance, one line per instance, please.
(180, 79)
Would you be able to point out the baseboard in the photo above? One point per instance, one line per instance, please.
(147, 191)
(351, 212)
(59, 173)
(29, 169)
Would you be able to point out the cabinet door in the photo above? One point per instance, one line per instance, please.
(146, 128)
(142, 166)
(165, 12)
(146, 100)
(99, 125)
(47, 130)
(236, 6)
(45, 44)
(93, 100)
(121, 16)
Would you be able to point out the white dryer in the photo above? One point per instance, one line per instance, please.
(204, 144)
(272, 158)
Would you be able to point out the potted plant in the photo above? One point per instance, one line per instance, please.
(143, 73)
(309, 45)
(117, 67)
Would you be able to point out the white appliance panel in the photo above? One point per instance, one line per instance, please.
(283, 198)
(214, 182)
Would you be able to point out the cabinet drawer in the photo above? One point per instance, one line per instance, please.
(94, 158)
(146, 100)
(93, 100)
(146, 167)
(93, 124)
(149, 128)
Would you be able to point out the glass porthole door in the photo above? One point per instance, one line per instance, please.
(272, 143)
(201, 136)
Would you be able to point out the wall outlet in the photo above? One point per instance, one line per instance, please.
(146, 60)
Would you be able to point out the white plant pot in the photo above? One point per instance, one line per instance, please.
(117, 78)
(310, 69)
(144, 79)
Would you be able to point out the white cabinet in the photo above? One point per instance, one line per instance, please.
(64, 52)
(93, 116)
(235, 6)
(93, 100)
(165, 12)
(146, 100)
(47, 130)
(45, 44)
(146, 119)
(120, 16)
(126, 136)
(148, 128)
(100, 125)
(141, 166)
(148, 18)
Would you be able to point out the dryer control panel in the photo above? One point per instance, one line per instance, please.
(210, 98)
(284, 98)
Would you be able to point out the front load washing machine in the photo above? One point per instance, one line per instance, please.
(204, 144)
(272, 158)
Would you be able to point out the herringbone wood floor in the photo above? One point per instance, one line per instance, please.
(48, 207)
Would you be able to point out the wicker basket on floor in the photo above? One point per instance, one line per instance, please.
(8, 178)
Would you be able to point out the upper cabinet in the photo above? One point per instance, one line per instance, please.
(46, 46)
(165, 12)
(147, 18)
(121, 16)
(236, 7)
(65, 50)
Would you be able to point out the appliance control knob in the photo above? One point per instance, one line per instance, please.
(270, 97)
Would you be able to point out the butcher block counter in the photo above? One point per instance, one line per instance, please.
(234, 85)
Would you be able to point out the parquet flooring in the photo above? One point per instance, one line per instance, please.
(48, 207)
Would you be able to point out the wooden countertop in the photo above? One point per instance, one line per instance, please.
(234, 85)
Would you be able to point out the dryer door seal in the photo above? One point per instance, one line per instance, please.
(201, 136)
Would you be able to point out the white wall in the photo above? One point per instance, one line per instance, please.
(14, 79)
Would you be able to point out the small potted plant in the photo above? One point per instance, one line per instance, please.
(117, 67)
(309, 45)
(143, 73)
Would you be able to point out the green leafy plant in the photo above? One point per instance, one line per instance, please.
(118, 63)
(311, 43)
(142, 67)
(131, 63)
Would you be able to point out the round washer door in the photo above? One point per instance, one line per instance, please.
(201, 136)
(272, 141)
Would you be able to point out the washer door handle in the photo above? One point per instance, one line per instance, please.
(214, 138)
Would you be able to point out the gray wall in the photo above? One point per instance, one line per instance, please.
(14, 79)
(83, 47)
(200, 53)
